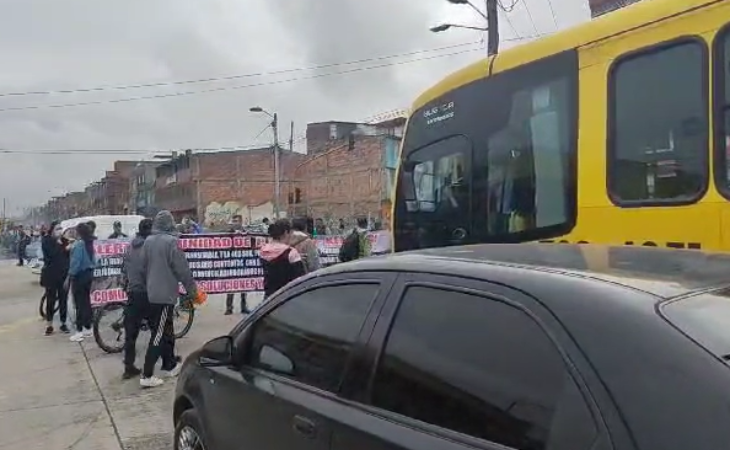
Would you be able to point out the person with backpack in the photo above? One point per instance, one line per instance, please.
(356, 245)
(305, 245)
(282, 263)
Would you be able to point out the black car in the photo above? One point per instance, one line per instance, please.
(528, 346)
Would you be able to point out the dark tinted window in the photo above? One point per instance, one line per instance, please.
(479, 367)
(658, 137)
(722, 119)
(494, 160)
(315, 331)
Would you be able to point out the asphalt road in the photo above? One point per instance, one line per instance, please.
(59, 395)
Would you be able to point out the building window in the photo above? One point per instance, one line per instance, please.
(657, 136)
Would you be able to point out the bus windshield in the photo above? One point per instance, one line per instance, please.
(491, 161)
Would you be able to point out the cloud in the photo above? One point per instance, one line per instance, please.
(71, 44)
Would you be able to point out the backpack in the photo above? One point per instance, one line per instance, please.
(350, 249)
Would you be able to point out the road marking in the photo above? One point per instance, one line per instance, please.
(14, 326)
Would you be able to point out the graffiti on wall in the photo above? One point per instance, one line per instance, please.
(222, 213)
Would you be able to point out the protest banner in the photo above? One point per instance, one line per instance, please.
(220, 263)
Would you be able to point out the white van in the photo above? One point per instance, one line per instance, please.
(104, 224)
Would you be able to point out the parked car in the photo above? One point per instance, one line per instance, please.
(526, 346)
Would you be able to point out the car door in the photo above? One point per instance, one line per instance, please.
(292, 358)
(465, 364)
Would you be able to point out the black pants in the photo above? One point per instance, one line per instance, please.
(162, 340)
(56, 294)
(21, 257)
(136, 310)
(229, 302)
(81, 286)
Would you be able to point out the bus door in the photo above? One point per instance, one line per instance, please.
(437, 188)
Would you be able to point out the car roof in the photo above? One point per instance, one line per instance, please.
(665, 273)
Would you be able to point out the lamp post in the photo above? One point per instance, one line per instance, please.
(277, 174)
(490, 15)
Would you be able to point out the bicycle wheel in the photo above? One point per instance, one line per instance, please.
(110, 336)
(42, 307)
(182, 319)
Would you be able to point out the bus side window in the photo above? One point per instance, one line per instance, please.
(722, 118)
(657, 134)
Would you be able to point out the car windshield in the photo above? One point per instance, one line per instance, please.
(704, 318)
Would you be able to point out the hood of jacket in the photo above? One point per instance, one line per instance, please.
(272, 250)
(164, 223)
(297, 237)
(137, 242)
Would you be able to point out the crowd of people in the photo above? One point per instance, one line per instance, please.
(153, 268)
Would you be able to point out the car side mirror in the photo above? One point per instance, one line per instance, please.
(217, 352)
(275, 361)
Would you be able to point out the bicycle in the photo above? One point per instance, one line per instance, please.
(116, 345)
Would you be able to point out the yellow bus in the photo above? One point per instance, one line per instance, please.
(616, 131)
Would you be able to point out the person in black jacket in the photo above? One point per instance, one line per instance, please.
(54, 274)
(138, 305)
(282, 262)
(236, 227)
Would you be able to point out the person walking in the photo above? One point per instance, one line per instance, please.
(138, 305)
(357, 244)
(305, 245)
(81, 272)
(165, 268)
(237, 228)
(282, 263)
(23, 241)
(53, 275)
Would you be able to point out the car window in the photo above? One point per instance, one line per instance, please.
(479, 367)
(309, 337)
(704, 318)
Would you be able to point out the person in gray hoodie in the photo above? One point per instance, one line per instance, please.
(165, 268)
(138, 305)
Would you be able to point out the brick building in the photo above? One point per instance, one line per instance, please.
(346, 180)
(142, 188)
(601, 7)
(214, 186)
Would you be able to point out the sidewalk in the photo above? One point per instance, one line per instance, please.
(59, 395)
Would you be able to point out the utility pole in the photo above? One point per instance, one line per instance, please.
(492, 27)
(277, 175)
(291, 137)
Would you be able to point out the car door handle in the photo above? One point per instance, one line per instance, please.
(304, 426)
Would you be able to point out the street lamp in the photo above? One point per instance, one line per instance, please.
(490, 15)
(277, 174)
(446, 26)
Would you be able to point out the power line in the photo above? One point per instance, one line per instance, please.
(235, 77)
(552, 11)
(529, 15)
(248, 86)
(232, 88)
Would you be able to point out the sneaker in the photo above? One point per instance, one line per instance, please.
(151, 382)
(131, 372)
(172, 373)
(49, 331)
(87, 332)
(77, 337)
(228, 312)
(64, 329)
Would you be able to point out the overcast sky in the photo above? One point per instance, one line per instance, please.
(52, 45)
